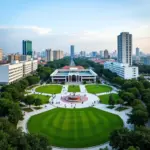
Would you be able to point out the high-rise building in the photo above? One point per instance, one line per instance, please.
(49, 55)
(106, 54)
(125, 48)
(58, 54)
(72, 51)
(101, 54)
(94, 54)
(27, 47)
(137, 51)
(82, 53)
(1, 54)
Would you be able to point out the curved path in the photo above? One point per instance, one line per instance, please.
(93, 100)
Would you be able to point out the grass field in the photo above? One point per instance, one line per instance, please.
(105, 98)
(50, 89)
(75, 127)
(44, 99)
(98, 88)
(73, 88)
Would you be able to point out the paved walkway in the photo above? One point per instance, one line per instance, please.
(93, 101)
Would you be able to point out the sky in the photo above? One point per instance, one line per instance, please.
(90, 25)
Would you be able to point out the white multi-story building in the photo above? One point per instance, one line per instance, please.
(27, 67)
(123, 67)
(34, 65)
(123, 70)
(10, 73)
(125, 48)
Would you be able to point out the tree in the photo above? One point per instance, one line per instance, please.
(136, 102)
(134, 91)
(111, 100)
(128, 97)
(133, 148)
(139, 116)
(37, 102)
(146, 84)
(13, 139)
(15, 114)
(33, 80)
(29, 100)
(123, 138)
(120, 101)
(120, 139)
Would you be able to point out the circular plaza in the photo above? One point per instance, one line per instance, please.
(74, 117)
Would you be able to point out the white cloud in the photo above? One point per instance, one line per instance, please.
(36, 29)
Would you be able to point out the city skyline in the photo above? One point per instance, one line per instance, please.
(89, 25)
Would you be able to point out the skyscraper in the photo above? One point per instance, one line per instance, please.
(1, 54)
(72, 51)
(58, 54)
(125, 48)
(49, 55)
(106, 54)
(137, 51)
(27, 47)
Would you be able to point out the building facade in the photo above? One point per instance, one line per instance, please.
(1, 54)
(49, 55)
(73, 74)
(125, 48)
(137, 52)
(123, 70)
(27, 47)
(58, 54)
(15, 71)
(72, 51)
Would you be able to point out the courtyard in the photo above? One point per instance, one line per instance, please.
(75, 124)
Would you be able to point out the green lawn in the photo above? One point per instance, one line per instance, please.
(44, 99)
(94, 88)
(50, 89)
(73, 88)
(75, 127)
(105, 98)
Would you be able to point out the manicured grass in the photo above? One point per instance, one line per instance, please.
(98, 88)
(73, 88)
(105, 98)
(27, 109)
(121, 108)
(75, 127)
(51, 89)
(44, 99)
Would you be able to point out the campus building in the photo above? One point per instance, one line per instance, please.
(16, 70)
(123, 70)
(73, 74)
(123, 67)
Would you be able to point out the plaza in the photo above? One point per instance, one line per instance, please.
(70, 118)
